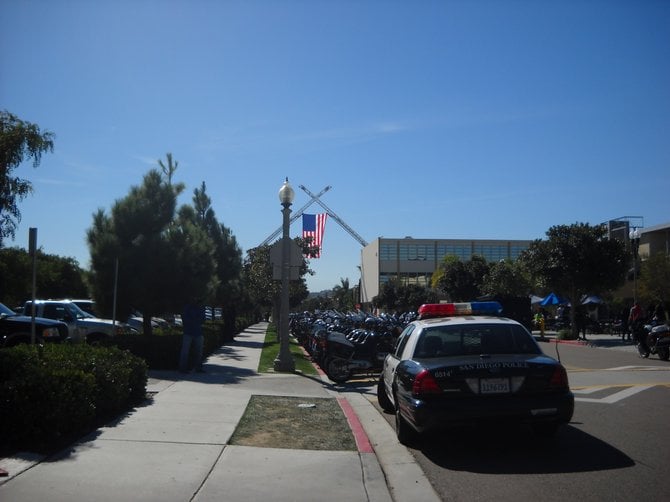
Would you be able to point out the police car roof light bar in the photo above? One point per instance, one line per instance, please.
(454, 309)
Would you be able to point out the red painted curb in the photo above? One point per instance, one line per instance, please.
(362, 441)
(361, 438)
(569, 342)
(572, 342)
(309, 356)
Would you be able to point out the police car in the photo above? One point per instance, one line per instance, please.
(462, 363)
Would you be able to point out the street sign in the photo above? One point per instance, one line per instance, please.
(295, 260)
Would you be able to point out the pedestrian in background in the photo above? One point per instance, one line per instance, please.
(635, 324)
(580, 321)
(539, 323)
(193, 318)
(623, 321)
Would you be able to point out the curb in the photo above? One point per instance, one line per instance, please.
(401, 476)
(362, 440)
(570, 342)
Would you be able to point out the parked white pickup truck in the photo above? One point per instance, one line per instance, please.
(82, 326)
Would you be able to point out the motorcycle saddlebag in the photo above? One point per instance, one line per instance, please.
(662, 333)
(339, 346)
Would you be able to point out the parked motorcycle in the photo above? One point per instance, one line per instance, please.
(359, 351)
(654, 340)
(347, 344)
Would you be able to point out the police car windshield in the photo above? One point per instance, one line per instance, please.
(474, 339)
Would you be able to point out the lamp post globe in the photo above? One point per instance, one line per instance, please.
(634, 236)
(284, 361)
(286, 193)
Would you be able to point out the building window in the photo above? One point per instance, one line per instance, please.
(416, 252)
(462, 252)
(384, 278)
(388, 252)
(405, 279)
(491, 253)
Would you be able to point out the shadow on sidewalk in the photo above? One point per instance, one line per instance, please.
(231, 351)
(214, 374)
(253, 329)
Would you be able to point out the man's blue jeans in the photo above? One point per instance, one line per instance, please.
(196, 341)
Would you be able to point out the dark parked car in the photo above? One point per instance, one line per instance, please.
(16, 328)
(468, 365)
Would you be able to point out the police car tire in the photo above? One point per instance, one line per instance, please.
(382, 398)
(404, 432)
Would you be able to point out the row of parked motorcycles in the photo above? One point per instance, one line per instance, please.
(348, 344)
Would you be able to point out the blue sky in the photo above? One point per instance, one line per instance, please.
(431, 119)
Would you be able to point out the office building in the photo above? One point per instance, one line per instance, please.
(413, 261)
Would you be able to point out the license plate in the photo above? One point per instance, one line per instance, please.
(494, 385)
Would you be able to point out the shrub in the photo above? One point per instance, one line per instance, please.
(57, 390)
(161, 350)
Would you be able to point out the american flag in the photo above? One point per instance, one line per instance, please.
(313, 228)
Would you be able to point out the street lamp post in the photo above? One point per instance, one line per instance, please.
(284, 360)
(634, 236)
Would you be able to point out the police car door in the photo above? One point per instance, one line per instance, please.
(394, 358)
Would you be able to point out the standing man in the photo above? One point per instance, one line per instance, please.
(192, 319)
(580, 321)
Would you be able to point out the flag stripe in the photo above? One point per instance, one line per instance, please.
(314, 226)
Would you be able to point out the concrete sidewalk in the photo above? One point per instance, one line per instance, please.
(176, 447)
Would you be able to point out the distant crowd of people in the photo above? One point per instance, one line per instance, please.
(628, 322)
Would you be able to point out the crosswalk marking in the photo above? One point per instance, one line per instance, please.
(589, 390)
(612, 398)
(618, 368)
(638, 368)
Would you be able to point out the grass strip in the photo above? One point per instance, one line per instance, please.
(271, 350)
(303, 423)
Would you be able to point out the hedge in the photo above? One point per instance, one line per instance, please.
(161, 350)
(53, 391)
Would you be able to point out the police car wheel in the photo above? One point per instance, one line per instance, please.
(382, 398)
(404, 432)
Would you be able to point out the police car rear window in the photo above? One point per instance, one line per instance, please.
(444, 341)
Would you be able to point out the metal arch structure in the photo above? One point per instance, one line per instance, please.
(295, 216)
(350, 231)
(331, 213)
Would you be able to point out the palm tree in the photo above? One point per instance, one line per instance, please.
(342, 296)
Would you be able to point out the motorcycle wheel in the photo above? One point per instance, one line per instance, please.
(382, 398)
(664, 353)
(337, 370)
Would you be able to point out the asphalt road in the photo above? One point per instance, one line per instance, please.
(615, 448)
